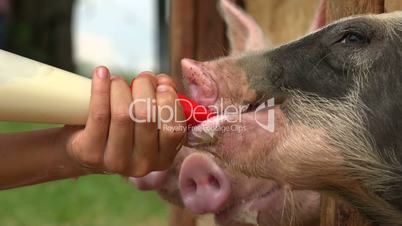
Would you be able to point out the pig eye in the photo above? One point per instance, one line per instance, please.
(354, 38)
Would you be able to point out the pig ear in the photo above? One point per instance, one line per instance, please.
(319, 18)
(243, 31)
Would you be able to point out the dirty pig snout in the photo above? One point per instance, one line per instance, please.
(200, 80)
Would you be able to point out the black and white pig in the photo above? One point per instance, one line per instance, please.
(337, 115)
(199, 181)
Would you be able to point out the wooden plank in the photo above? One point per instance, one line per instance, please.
(181, 217)
(182, 36)
(284, 20)
(197, 32)
(335, 212)
(337, 9)
(392, 5)
(182, 44)
(210, 31)
(328, 211)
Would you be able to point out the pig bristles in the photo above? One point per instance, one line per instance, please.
(289, 208)
(380, 172)
(336, 129)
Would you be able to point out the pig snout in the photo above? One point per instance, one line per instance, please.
(151, 181)
(204, 186)
(201, 85)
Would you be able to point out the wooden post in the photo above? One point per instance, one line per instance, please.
(181, 217)
(210, 31)
(335, 212)
(392, 5)
(338, 213)
(337, 9)
(197, 32)
(182, 36)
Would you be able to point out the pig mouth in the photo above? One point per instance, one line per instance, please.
(247, 204)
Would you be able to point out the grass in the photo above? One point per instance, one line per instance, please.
(89, 201)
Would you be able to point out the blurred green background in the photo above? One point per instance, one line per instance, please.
(92, 200)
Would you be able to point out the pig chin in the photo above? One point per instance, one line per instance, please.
(263, 208)
(267, 204)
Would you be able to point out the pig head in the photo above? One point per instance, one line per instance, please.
(198, 180)
(336, 113)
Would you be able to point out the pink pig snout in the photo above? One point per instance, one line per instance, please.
(204, 186)
(151, 181)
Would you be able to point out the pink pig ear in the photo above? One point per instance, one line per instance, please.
(319, 18)
(243, 31)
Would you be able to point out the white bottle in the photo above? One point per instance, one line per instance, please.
(35, 92)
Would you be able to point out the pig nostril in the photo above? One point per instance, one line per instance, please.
(214, 182)
(191, 186)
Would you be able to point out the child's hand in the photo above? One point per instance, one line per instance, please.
(112, 142)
